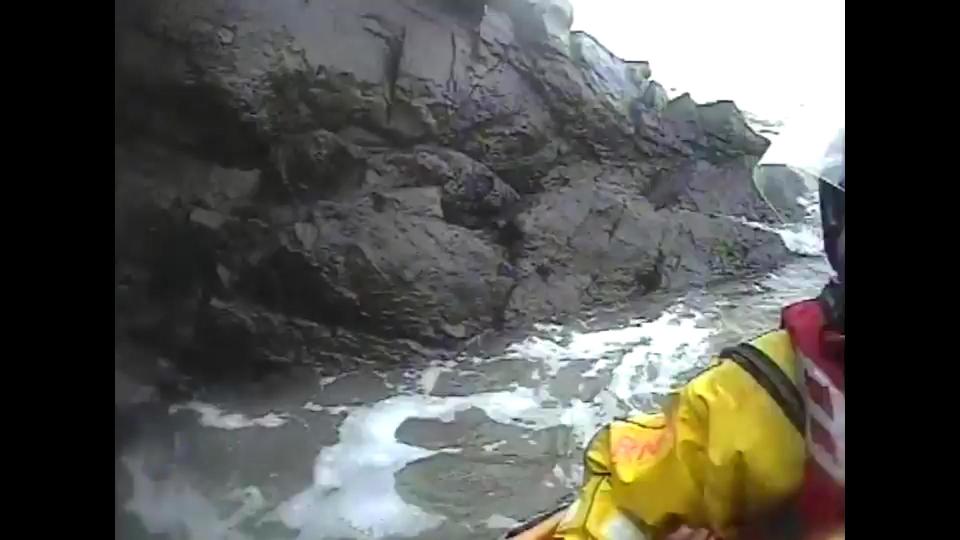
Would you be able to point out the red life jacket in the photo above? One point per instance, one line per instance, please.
(820, 357)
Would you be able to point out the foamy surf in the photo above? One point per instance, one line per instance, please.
(173, 507)
(213, 416)
(353, 491)
(676, 344)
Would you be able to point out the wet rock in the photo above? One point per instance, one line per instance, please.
(494, 376)
(617, 82)
(239, 336)
(477, 200)
(715, 189)
(604, 247)
(719, 126)
(553, 301)
(471, 427)
(472, 195)
(469, 490)
(461, 383)
(404, 275)
(316, 165)
(696, 249)
(497, 114)
(425, 201)
(312, 182)
(353, 389)
(476, 435)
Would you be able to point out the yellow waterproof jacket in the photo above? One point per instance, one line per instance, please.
(724, 454)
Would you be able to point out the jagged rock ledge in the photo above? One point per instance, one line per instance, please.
(316, 181)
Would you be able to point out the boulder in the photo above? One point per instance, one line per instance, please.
(315, 165)
(719, 127)
(697, 249)
(398, 274)
(472, 195)
(726, 188)
(594, 242)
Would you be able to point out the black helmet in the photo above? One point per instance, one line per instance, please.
(832, 210)
(832, 217)
(827, 170)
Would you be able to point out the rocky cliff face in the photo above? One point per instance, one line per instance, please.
(312, 180)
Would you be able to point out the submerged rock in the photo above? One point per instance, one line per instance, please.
(469, 488)
(306, 181)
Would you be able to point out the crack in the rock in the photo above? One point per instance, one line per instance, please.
(451, 77)
(616, 221)
(395, 43)
(395, 48)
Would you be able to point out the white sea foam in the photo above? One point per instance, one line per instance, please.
(213, 416)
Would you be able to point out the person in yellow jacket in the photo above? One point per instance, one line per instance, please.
(752, 448)
(726, 457)
(723, 455)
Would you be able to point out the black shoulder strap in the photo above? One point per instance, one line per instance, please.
(561, 505)
(769, 375)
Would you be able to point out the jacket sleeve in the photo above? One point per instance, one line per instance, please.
(722, 454)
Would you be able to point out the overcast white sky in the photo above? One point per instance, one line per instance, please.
(770, 56)
(779, 59)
